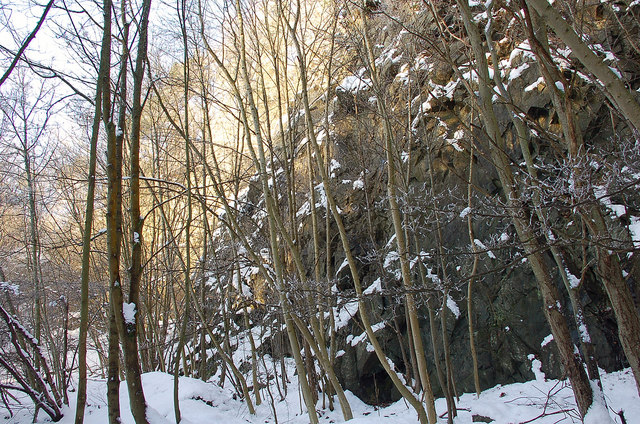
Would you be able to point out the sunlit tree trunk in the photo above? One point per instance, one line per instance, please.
(129, 332)
(473, 276)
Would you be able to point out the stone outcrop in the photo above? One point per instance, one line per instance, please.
(431, 109)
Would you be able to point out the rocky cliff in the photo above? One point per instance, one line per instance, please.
(428, 81)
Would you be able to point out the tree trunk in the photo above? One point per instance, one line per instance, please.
(550, 297)
(608, 264)
(182, 11)
(472, 278)
(129, 332)
(86, 237)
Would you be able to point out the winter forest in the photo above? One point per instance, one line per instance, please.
(319, 211)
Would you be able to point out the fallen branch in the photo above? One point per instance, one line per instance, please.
(35, 380)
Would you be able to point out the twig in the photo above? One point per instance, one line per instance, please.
(24, 46)
(546, 414)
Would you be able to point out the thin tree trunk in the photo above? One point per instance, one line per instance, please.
(129, 333)
(472, 277)
(187, 268)
(114, 222)
(399, 231)
(34, 248)
(113, 370)
(86, 238)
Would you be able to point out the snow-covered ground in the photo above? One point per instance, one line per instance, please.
(539, 401)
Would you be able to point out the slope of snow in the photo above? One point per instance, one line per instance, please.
(540, 401)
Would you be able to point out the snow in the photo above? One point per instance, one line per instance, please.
(403, 74)
(536, 368)
(334, 165)
(435, 92)
(129, 312)
(539, 401)
(242, 194)
(574, 281)
(584, 334)
(453, 306)
(457, 136)
(393, 237)
(376, 286)
(597, 413)
(546, 340)
(344, 314)
(323, 202)
(517, 72)
(523, 49)
(246, 290)
(388, 57)
(355, 83)
(322, 134)
(608, 55)
(482, 246)
(535, 85)
(342, 265)
(304, 210)
(378, 326)
(353, 341)
(634, 228)
(601, 194)
(465, 212)
(358, 184)
(391, 257)
(433, 277)
(616, 72)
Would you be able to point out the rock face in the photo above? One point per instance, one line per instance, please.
(437, 129)
(509, 324)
